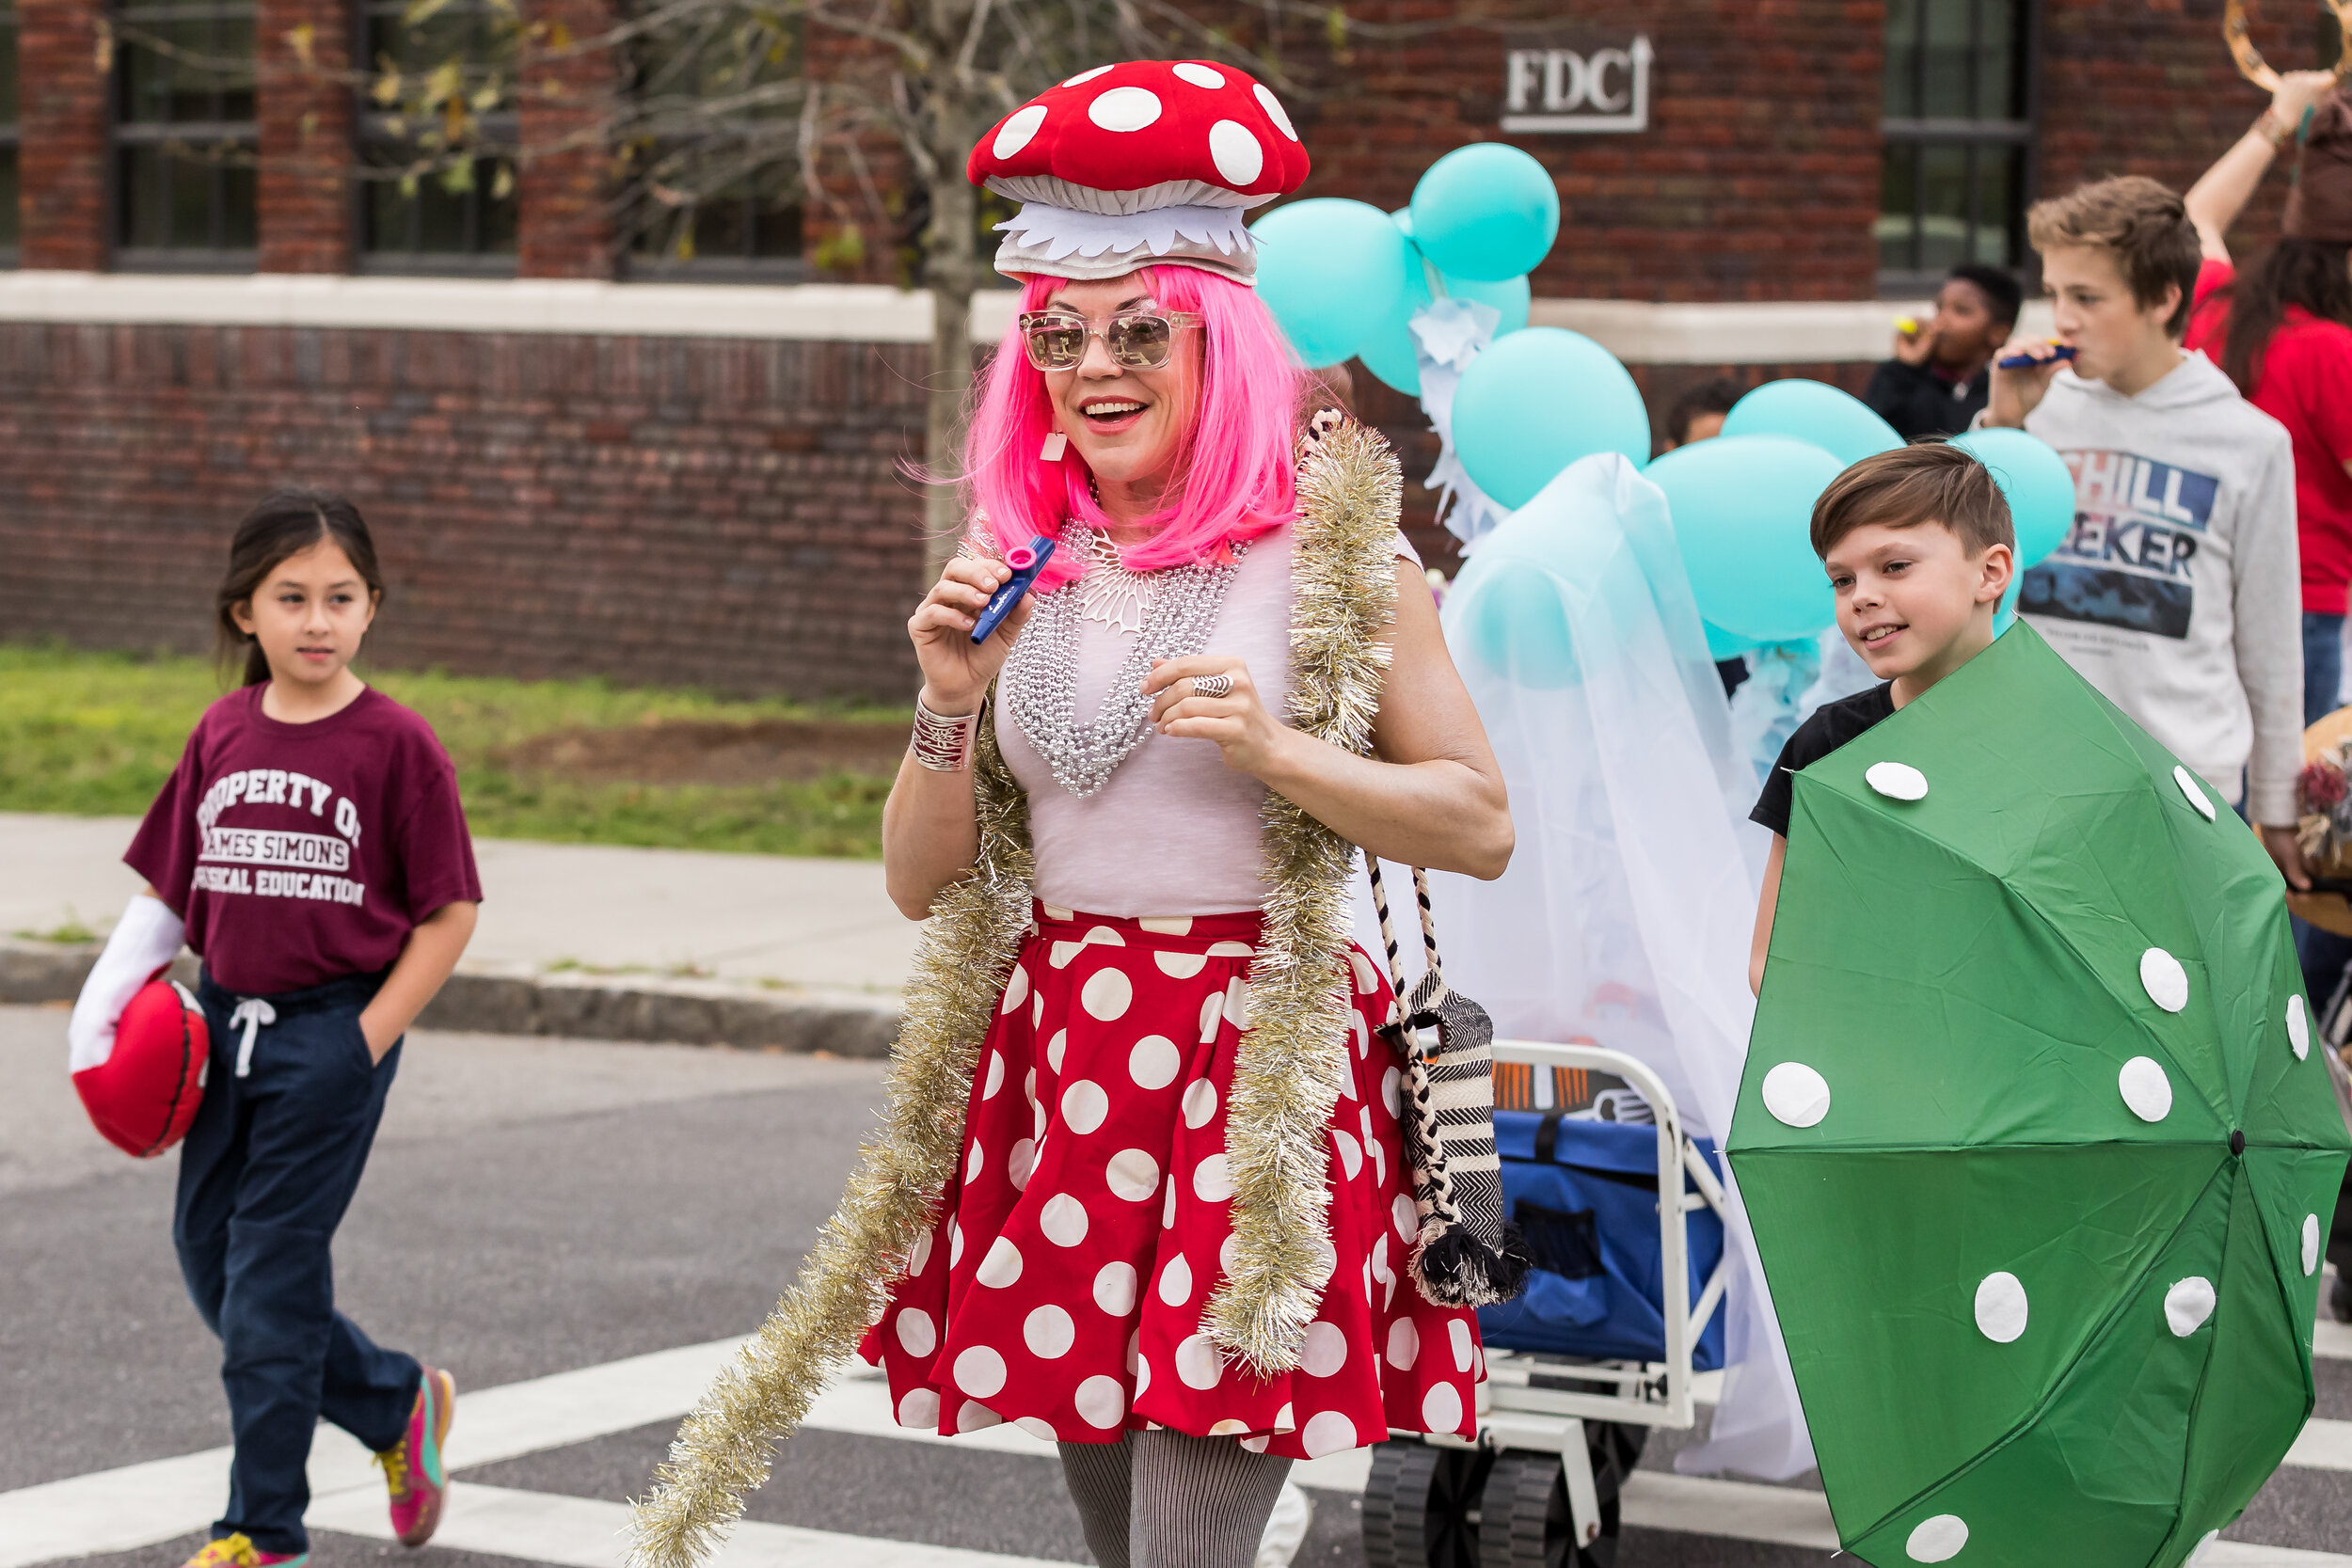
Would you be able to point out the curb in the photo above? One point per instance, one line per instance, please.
(581, 1007)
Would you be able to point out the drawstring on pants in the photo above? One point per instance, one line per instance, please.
(254, 1014)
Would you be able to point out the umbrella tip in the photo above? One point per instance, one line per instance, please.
(2237, 1141)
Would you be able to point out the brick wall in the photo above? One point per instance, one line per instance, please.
(728, 513)
(304, 115)
(704, 512)
(2131, 87)
(563, 217)
(1756, 179)
(62, 75)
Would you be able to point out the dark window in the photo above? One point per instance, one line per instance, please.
(1957, 138)
(437, 127)
(711, 184)
(184, 135)
(8, 135)
(748, 224)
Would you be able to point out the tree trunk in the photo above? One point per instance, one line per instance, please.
(953, 272)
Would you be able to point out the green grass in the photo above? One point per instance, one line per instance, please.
(70, 933)
(95, 733)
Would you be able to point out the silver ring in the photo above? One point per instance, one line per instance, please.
(1212, 686)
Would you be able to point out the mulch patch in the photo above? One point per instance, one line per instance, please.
(704, 752)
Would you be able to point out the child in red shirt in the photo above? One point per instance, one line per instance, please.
(2282, 331)
(313, 847)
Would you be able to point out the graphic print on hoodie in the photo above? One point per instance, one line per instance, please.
(2139, 524)
(2178, 592)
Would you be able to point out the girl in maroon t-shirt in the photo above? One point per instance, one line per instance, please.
(310, 847)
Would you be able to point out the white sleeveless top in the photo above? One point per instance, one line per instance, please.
(1173, 830)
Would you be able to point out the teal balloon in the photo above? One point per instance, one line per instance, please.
(1485, 213)
(1512, 298)
(1520, 630)
(1330, 270)
(1721, 645)
(1388, 350)
(1838, 422)
(1536, 402)
(1388, 353)
(1742, 508)
(2036, 481)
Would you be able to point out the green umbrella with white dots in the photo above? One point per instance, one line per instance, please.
(2033, 1135)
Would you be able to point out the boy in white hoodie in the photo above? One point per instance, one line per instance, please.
(2178, 592)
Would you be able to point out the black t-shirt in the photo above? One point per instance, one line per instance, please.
(1831, 725)
(1918, 402)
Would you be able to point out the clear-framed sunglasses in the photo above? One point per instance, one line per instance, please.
(1137, 339)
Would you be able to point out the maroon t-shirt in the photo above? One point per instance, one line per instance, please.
(302, 853)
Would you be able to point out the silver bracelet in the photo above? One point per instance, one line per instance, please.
(944, 744)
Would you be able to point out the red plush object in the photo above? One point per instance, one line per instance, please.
(1145, 123)
(144, 1095)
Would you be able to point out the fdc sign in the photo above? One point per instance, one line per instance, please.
(1563, 89)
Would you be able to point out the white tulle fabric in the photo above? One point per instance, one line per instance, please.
(1625, 916)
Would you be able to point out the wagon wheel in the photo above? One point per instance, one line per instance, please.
(1527, 1514)
(1420, 1505)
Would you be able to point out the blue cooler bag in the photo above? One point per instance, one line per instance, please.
(1584, 1194)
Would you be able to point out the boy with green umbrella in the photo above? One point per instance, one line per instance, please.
(2033, 1130)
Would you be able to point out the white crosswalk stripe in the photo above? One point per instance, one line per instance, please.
(586, 1533)
(142, 1504)
(1740, 1510)
(2325, 1446)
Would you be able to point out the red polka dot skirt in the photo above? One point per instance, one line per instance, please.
(1063, 1284)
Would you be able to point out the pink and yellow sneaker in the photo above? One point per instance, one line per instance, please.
(413, 1470)
(237, 1551)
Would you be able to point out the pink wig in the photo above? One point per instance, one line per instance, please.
(1233, 459)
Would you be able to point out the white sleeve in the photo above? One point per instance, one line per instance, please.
(145, 940)
(2266, 618)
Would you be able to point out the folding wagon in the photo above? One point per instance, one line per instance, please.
(1625, 1223)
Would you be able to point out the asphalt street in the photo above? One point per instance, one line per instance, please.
(538, 1208)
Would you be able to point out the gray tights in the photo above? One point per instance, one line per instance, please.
(1164, 1500)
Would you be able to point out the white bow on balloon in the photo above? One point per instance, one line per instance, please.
(1449, 335)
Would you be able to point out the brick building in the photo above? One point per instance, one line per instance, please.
(585, 453)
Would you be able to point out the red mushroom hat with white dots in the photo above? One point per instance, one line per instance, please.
(1150, 162)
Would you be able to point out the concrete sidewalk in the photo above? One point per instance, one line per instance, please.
(610, 943)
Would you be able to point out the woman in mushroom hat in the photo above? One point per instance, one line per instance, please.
(1142, 1188)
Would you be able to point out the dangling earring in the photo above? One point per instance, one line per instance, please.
(1055, 444)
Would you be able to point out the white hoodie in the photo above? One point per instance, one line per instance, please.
(2178, 593)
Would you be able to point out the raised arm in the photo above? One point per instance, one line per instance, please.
(2222, 191)
(1433, 796)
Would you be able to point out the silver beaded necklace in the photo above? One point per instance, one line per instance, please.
(1109, 593)
(1169, 613)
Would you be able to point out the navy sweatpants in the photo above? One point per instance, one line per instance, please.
(267, 1172)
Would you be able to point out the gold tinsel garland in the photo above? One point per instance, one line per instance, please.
(1285, 1082)
(1287, 1076)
